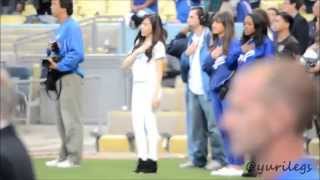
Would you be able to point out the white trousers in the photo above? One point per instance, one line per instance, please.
(144, 121)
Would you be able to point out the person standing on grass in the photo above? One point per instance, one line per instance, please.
(71, 52)
(225, 50)
(201, 124)
(255, 43)
(146, 62)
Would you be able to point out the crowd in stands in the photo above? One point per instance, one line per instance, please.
(17, 6)
(12, 7)
(182, 7)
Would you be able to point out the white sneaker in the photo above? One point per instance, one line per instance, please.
(52, 163)
(67, 164)
(213, 165)
(187, 164)
(227, 171)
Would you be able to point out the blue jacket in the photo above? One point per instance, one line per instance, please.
(243, 9)
(69, 39)
(219, 75)
(153, 7)
(266, 49)
(182, 9)
(185, 63)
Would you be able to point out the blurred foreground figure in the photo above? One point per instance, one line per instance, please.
(271, 104)
(15, 162)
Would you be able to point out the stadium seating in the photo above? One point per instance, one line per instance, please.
(86, 9)
(113, 143)
(178, 144)
(314, 148)
(12, 19)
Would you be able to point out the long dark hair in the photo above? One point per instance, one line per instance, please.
(158, 34)
(227, 20)
(263, 15)
(260, 30)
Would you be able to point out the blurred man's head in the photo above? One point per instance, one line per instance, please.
(268, 102)
(61, 7)
(7, 100)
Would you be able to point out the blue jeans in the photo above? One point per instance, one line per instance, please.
(219, 106)
(201, 125)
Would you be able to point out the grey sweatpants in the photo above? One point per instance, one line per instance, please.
(69, 122)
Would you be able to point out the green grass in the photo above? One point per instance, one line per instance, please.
(121, 170)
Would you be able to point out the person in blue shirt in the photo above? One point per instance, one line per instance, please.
(201, 124)
(183, 7)
(255, 44)
(150, 5)
(243, 9)
(218, 65)
(182, 10)
(71, 52)
(271, 106)
(196, 3)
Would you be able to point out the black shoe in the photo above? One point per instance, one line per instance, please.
(250, 171)
(140, 166)
(150, 167)
(249, 174)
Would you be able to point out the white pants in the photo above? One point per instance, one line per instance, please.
(144, 121)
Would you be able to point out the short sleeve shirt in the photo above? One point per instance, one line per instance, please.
(144, 70)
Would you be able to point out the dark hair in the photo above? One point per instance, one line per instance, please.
(203, 16)
(260, 30)
(158, 34)
(227, 20)
(67, 4)
(298, 3)
(287, 18)
(135, 21)
(263, 15)
(273, 9)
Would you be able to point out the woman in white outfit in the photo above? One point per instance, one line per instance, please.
(146, 62)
